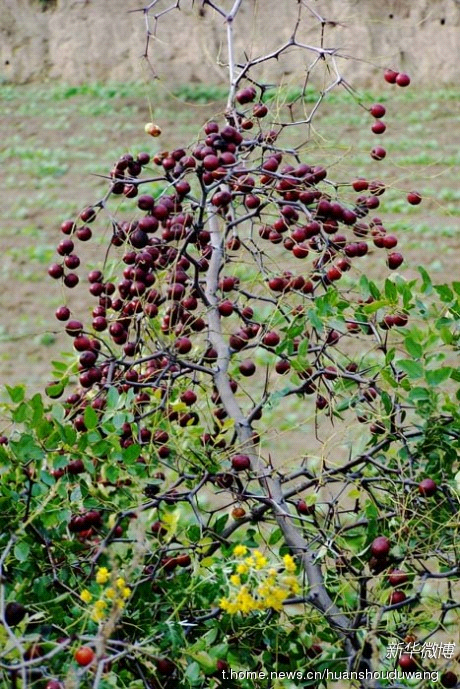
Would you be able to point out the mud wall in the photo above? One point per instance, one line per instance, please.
(79, 41)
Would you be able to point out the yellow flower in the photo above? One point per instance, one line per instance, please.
(240, 550)
(102, 576)
(223, 603)
(260, 560)
(119, 603)
(110, 593)
(275, 598)
(245, 601)
(263, 589)
(126, 591)
(226, 605)
(271, 580)
(98, 611)
(289, 563)
(86, 596)
(232, 607)
(120, 582)
(292, 583)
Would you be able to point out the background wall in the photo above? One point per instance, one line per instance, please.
(80, 41)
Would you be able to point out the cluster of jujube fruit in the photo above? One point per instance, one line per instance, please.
(380, 560)
(149, 330)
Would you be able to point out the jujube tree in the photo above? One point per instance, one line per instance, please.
(181, 529)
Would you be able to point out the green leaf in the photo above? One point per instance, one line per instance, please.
(60, 367)
(303, 347)
(26, 449)
(387, 402)
(193, 673)
(354, 542)
(210, 637)
(390, 290)
(193, 533)
(413, 348)
(46, 478)
(119, 419)
(90, 417)
(205, 661)
(219, 651)
(387, 375)
(76, 494)
(414, 370)
(16, 393)
(427, 283)
(455, 376)
(344, 405)
(419, 394)
(58, 412)
(21, 551)
(390, 356)
(55, 518)
(406, 290)
(93, 438)
(435, 377)
(274, 398)
(374, 306)
(220, 523)
(445, 293)
(314, 320)
(54, 390)
(36, 404)
(112, 398)
(446, 335)
(70, 435)
(20, 414)
(112, 474)
(275, 536)
(405, 384)
(364, 285)
(132, 452)
(375, 293)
